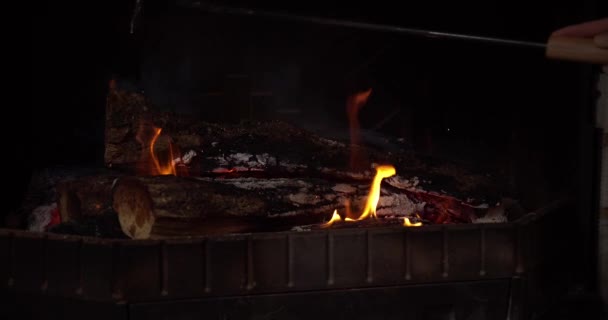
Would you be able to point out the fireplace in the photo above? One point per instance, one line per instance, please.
(482, 207)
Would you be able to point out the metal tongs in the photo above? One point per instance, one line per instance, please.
(557, 47)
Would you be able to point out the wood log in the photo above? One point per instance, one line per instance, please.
(43, 185)
(178, 206)
(168, 206)
(165, 206)
(85, 196)
(275, 148)
(140, 201)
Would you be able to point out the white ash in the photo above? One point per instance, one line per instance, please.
(239, 158)
(307, 211)
(186, 158)
(493, 215)
(246, 161)
(398, 205)
(403, 183)
(303, 194)
(114, 183)
(499, 213)
(41, 217)
(266, 159)
(332, 143)
(257, 184)
(481, 206)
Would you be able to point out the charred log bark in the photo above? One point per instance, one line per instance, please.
(141, 202)
(86, 196)
(273, 176)
(275, 148)
(165, 206)
(168, 206)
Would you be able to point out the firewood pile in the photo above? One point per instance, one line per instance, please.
(177, 176)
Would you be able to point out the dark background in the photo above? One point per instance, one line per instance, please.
(504, 108)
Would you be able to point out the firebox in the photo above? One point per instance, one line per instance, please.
(214, 162)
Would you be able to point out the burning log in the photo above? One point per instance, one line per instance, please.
(169, 206)
(250, 146)
(248, 177)
(142, 202)
(269, 149)
(165, 206)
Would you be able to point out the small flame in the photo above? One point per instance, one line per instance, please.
(374, 193)
(354, 104)
(335, 217)
(149, 163)
(408, 223)
(348, 211)
(383, 171)
(166, 168)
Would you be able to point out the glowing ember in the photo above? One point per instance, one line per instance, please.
(408, 223)
(335, 217)
(224, 170)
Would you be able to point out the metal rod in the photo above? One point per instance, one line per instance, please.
(213, 8)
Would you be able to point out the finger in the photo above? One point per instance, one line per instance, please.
(586, 29)
(601, 40)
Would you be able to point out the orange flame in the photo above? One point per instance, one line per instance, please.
(408, 223)
(374, 193)
(335, 217)
(149, 163)
(373, 198)
(348, 211)
(354, 103)
(166, 168)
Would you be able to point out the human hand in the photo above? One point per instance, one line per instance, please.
(583, 41)
(597, 29)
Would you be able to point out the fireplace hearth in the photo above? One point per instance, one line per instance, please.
(196, 164)
(481, 271)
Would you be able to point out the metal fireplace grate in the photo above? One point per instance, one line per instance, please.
(248, 269)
